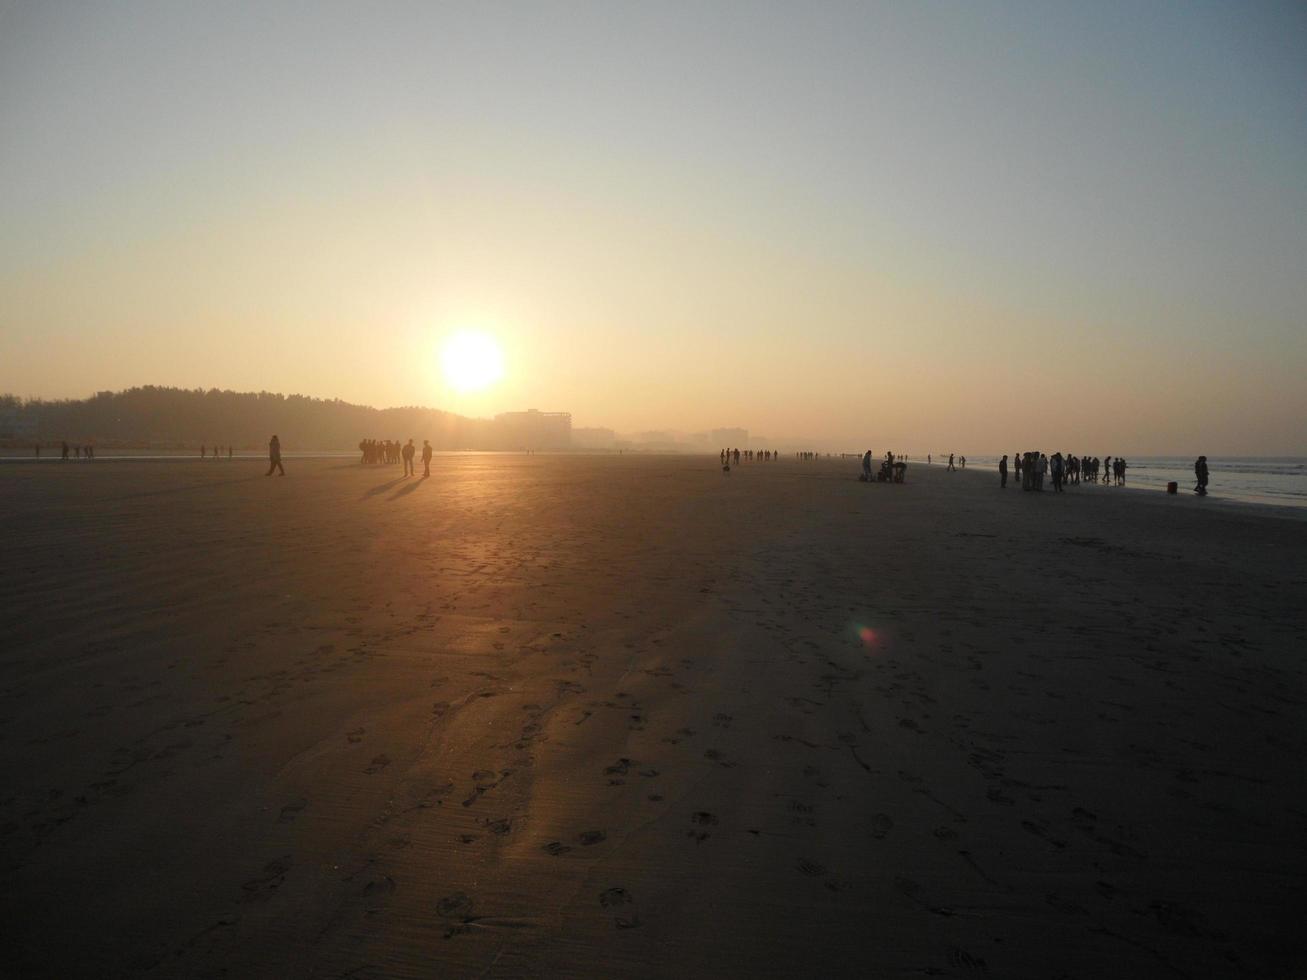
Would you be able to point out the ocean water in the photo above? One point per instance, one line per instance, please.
(1258, 479)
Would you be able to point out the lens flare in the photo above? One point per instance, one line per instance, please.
(866, 634)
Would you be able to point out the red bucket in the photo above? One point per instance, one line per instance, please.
(1172, 487)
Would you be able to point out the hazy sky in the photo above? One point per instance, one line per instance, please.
(930, 226)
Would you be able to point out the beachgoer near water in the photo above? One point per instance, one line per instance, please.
(274, 457)
(866, 466)
(951, 467)
(1002, 473)
(426, 458)
(1200, 472)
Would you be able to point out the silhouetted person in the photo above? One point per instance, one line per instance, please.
(203, 451)
(1200, 473)
(38, 450)
(950, 463)
(63, 449)
(426, 458)
(866, 466)
(274, 457)
(1002, 473)
(229, 452)
(408, 458)
(1058, 471)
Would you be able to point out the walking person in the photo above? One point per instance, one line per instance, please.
(274, 457)
(951, 467)
(426, 459)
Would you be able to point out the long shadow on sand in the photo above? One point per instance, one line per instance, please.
(382, 488)
(406, 490)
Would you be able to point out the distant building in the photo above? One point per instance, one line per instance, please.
(730, 437)
(15, 423)
(594, 439)
(534, 429)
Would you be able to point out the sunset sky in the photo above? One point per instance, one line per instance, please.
(930, 226)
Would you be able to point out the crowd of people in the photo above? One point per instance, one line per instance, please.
(1033, 468)
(71, 452)
(380, 451)
(392, 452)
(728, 456)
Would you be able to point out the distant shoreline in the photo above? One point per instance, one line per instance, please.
(1224, 498)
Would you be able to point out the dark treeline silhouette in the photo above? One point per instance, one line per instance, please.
(173, 418)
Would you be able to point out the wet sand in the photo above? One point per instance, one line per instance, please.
(622, 716)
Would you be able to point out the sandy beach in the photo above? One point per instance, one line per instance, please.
(630, 716)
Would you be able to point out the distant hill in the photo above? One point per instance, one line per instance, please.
(155, 417)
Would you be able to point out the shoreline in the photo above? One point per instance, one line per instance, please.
(1292, 509)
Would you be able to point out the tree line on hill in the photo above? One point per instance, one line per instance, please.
(177, 418)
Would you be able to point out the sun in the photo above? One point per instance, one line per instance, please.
(471, 361)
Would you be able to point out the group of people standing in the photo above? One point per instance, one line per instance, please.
(77, 451)
(1032, 468)
(382, 451)
(728, 456)
(387, 451)
(217, 452)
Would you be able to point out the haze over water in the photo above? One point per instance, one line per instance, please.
(903, 224)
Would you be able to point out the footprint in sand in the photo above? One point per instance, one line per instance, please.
(701, 818)
(960, 959)
(384, 885)
(356, 735)
(614, 896)
(722, 720)
(499, 827)
(556, 848)
(457, 907)
(881, 825)
(620, 898)
(810, 868)
(274, 873)
(592, 837)
(291, 810)
(378, 764)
